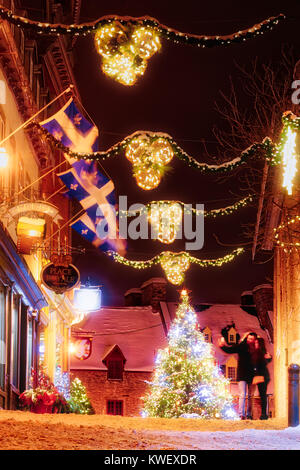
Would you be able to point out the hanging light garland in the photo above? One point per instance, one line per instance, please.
(127, 43)
(190, 210)
(175, 264)
(150, 152)
(166, 216)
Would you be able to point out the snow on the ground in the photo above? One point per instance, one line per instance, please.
(24, 430)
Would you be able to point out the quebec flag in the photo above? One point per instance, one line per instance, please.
(94, 191)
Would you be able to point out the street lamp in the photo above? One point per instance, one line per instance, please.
(87, 298)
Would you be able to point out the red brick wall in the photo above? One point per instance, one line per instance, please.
(99, 389)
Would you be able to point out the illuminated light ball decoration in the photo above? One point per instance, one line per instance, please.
(149, 157)
(175, 266)
(165, 219)
(186, 382)
(125, 50)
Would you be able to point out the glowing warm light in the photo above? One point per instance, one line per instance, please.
(136, 149)
(3, 158)
(175, 266)
(108, 39)
(289, 160)
(146, 177)
(31, 227)
(72, 348)
(165, 219)
(124, 67)
(145, 42)
(161, 151)
(148, 159)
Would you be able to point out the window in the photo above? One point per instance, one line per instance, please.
(232, 335)
(29, 351)
(231, 373)
(15, 342)
(207, 334)
(115, 407)
(115, 369)
(2, 337)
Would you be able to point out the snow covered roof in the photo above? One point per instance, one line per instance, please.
(218, 316)
(137, 331)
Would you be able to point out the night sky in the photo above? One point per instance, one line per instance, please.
(177, 95)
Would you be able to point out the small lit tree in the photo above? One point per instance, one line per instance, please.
(79, 401)
(186, 381)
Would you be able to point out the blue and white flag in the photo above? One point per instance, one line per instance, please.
(94, 191)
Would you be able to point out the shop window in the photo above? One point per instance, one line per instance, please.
(15, 341)
(29, 351)
(2, 338)
(115, 407)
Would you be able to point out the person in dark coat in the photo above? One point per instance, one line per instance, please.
(245, 372)
(260, 358)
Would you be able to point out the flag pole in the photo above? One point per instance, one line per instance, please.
(67, 90)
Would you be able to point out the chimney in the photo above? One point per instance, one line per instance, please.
(154, 291)
(133, 297)
(263, 299)
(247, 298)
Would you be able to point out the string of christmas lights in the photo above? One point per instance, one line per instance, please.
(165, 32)
(150, 152)
(230, 209)
(175, 264)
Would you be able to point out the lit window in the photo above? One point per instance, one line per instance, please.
(207, 334)
(231, 373)
(232, 335)
(231, 369)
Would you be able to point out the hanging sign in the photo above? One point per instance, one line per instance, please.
(83, 348)
(60, 277)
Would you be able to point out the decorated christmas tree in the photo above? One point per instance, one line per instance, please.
(186, 381)
(79, 401)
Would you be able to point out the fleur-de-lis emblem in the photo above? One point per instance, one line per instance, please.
(74, 186)
(84, 232)
(77, 119)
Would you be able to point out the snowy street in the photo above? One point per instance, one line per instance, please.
(28, 431)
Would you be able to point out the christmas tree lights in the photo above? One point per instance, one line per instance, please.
(79, 401)
(186, 381)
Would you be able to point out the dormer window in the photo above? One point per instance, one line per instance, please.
(115, 369)
(232, 335)
(207, 334)
(114, 360)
